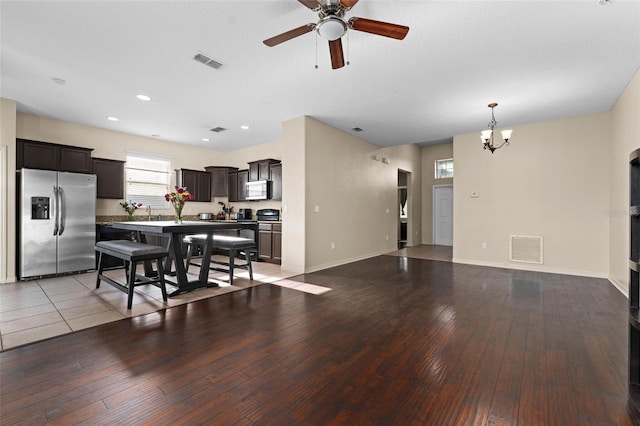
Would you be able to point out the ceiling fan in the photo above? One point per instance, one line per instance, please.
(332, 26)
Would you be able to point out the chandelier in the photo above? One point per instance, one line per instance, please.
(487, 135)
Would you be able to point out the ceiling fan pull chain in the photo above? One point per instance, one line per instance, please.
(316, 50)
(348, 44)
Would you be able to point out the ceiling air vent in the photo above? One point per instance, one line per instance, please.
(203, 59)
(218, 129)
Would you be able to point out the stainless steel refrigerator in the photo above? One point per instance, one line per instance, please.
(57, 223)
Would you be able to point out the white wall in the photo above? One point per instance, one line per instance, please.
(7, 191)
(408, 158)
(293, 195)
(356, 196)
(552, 181)
(625, 138)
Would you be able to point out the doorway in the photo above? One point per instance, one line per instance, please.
(443, 215)
(404, 205)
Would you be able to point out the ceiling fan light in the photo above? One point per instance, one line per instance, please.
(331, 28)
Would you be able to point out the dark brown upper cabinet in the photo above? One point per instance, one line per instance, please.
(110, 177)
(197, 183)
(49, 156)
(243, 178)
(259, 170)
(275, 174)
(238, 185)
(220, 180)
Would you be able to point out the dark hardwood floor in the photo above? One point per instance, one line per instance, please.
(397, 341)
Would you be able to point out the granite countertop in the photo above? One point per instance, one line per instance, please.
(108, 220)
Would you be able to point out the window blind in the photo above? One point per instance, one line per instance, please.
(147, 180)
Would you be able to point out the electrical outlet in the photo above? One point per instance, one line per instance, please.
(387, 238)
(333, 245)
(316, 208)
(484, 245)
(387, 211)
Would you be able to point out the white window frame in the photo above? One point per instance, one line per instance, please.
(445, 161)
(147, 184)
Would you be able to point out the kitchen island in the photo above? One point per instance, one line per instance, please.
(176, 231)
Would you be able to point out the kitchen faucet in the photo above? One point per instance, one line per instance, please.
(149, 210)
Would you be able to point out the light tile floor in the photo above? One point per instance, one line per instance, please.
(40, 309)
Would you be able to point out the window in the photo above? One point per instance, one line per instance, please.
(147, 180)
(444, 168)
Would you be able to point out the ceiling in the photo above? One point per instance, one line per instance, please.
(540, 60)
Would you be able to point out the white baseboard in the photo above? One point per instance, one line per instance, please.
(622, 287)
(9, 280)
(343, 262)
(533, 268)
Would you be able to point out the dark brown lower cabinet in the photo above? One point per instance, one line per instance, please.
(270, 235)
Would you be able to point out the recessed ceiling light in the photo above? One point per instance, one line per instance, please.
(205, 140)
(59, 81)
(144, 98)
(357, 129)
(112, 119)
(155, 136)
(244, 127)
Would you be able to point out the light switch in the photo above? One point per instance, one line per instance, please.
(475, 194)
(316, 208)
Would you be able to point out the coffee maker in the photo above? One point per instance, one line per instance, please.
(244, 214)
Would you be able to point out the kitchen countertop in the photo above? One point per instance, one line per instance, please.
(108, 220)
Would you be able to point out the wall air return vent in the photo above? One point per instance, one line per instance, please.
(525, 249)
(204, 59)
(218, 129)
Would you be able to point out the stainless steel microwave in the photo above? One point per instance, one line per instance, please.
(258, 190)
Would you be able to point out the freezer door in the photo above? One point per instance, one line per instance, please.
(77, 228)
(38, 210)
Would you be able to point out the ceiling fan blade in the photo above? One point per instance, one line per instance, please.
(348, 4)
(380, 28)
(337, 58)
(281, 38)
(311, 4)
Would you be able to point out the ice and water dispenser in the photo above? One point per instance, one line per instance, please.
(40, 208)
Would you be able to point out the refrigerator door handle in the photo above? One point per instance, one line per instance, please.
(63, 210)
(56, 207)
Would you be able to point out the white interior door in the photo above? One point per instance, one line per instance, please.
(443, 215)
